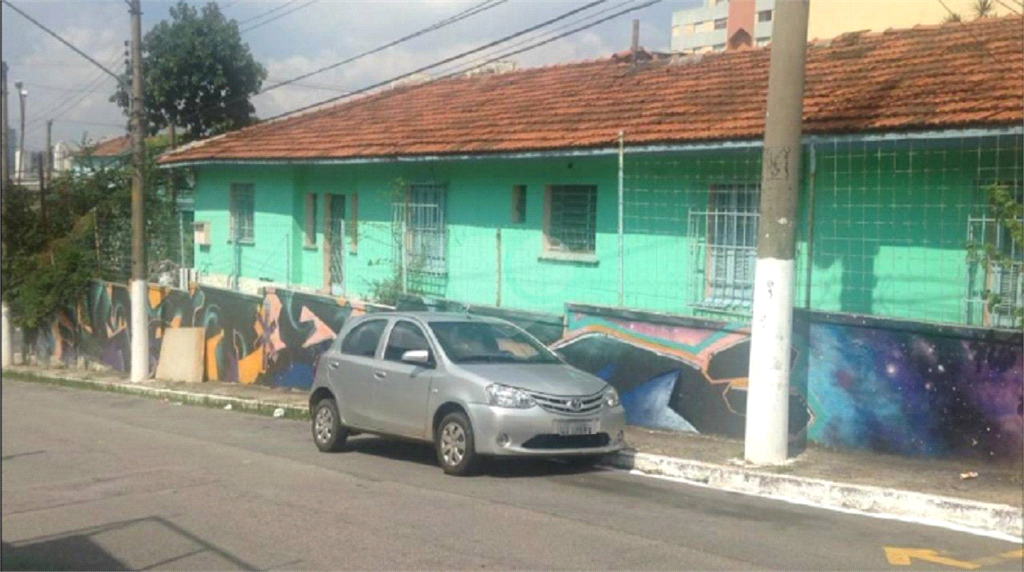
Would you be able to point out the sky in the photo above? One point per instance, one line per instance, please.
(299, 36)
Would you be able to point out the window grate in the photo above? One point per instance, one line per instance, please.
(572, 223)
(725, 247)
(242, 209)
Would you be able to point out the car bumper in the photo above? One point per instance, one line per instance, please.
(531, 432)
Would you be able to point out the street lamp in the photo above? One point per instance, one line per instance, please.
(22, 94)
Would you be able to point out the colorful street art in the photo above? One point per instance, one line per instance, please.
(271, 340)
(892, 386)
(897, 387)
(915, 393)
(672, 373)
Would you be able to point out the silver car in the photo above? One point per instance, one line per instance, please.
(472, 386)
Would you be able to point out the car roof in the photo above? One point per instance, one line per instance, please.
(432, 316)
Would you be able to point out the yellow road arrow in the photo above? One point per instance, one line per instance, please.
(903, 556)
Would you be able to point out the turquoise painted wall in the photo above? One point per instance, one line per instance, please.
(890, 223)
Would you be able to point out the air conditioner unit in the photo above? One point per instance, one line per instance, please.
(202, 233)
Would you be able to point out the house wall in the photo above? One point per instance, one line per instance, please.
(889, 227)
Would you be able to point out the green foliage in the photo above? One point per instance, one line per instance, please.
(983, 8)
(1008, 213)
(199, 74)
(86, 234)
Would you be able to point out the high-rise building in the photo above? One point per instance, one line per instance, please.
(718, 25)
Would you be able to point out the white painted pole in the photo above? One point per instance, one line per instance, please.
(8, 338)
(139, 289)
(767, 422)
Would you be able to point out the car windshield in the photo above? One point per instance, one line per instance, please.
(488, 342)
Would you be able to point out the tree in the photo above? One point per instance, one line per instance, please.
(983, 8)
(199, 74)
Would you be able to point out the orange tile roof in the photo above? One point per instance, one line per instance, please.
(928, 77)
(114, 147)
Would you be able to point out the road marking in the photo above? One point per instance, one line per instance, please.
(903, 557)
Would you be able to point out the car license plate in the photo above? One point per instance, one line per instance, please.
(574, 427)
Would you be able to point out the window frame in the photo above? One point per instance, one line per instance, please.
(761, 14)
(720, 23)
(422, 332)
(518, 204)
(234, 190)
(742, 210)
(553, 251)
(310, 222)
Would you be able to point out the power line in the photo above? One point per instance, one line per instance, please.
(457, 17)
(63, 41)
(1008, 7)
(90, 87)
(266, 13)
(277, 17)
(476, 9)
(969, 31)
(460, 55)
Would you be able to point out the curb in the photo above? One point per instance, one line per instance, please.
(977, 517)
(893, 503)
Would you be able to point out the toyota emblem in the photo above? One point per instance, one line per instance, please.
(576, 404)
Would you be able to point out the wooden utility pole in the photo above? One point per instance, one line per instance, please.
(767, 424)
(5, 173)
(140, 275)
(49, 153)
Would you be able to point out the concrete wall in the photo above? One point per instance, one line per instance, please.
(884, 385)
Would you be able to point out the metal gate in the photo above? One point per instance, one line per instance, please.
(420, 245)
(337, 256)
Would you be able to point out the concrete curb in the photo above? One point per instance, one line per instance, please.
(894, 503)
(884, 502)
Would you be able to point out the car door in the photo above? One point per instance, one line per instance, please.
(401, 389)
(351, 372)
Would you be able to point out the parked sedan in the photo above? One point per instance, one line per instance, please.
(472, 386)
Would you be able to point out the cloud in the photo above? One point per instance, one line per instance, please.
(329, 31)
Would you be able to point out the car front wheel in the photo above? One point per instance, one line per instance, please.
(456, 451)
(328, 432)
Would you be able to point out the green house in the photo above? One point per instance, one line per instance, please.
(633, 181)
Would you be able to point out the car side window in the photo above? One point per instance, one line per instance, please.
(404, 337)
(363, 339)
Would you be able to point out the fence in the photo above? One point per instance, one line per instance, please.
(901, 228)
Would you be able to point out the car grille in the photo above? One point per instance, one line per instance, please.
(568, 441)
(565, 404)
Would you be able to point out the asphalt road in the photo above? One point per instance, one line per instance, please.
(96, 480)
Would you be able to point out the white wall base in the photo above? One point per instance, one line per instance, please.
(139, 291)
(767, 424)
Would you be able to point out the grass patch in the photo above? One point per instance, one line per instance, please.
(210, 401)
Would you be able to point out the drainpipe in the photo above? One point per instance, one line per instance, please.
(810, 228)
(622, 261)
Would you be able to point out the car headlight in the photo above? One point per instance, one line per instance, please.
(611, 397)
(505, 396)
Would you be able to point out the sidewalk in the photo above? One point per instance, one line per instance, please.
(928, 490)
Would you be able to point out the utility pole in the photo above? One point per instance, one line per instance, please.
(140, 276)
(20, 167)
(767, 420)
(49, 152)
(6, 331)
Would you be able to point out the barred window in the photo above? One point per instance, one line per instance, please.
(572, 218)
(242, 206)
(311, 219)
(728, 253)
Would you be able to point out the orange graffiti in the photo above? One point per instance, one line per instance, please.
(211, 357)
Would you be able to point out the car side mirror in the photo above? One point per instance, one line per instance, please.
(417, 357)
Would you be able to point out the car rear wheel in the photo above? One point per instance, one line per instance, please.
(456, 451)
(328, 432)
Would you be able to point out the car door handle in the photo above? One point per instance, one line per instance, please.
(380, 374)
(334, 365)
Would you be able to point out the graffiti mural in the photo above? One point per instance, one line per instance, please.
(297, 328)
(915, 393)
(270, 340)
(672, 373)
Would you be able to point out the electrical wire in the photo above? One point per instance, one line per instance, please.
(278, 17)
(63, 41)
(458, 56)
(266, 13)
